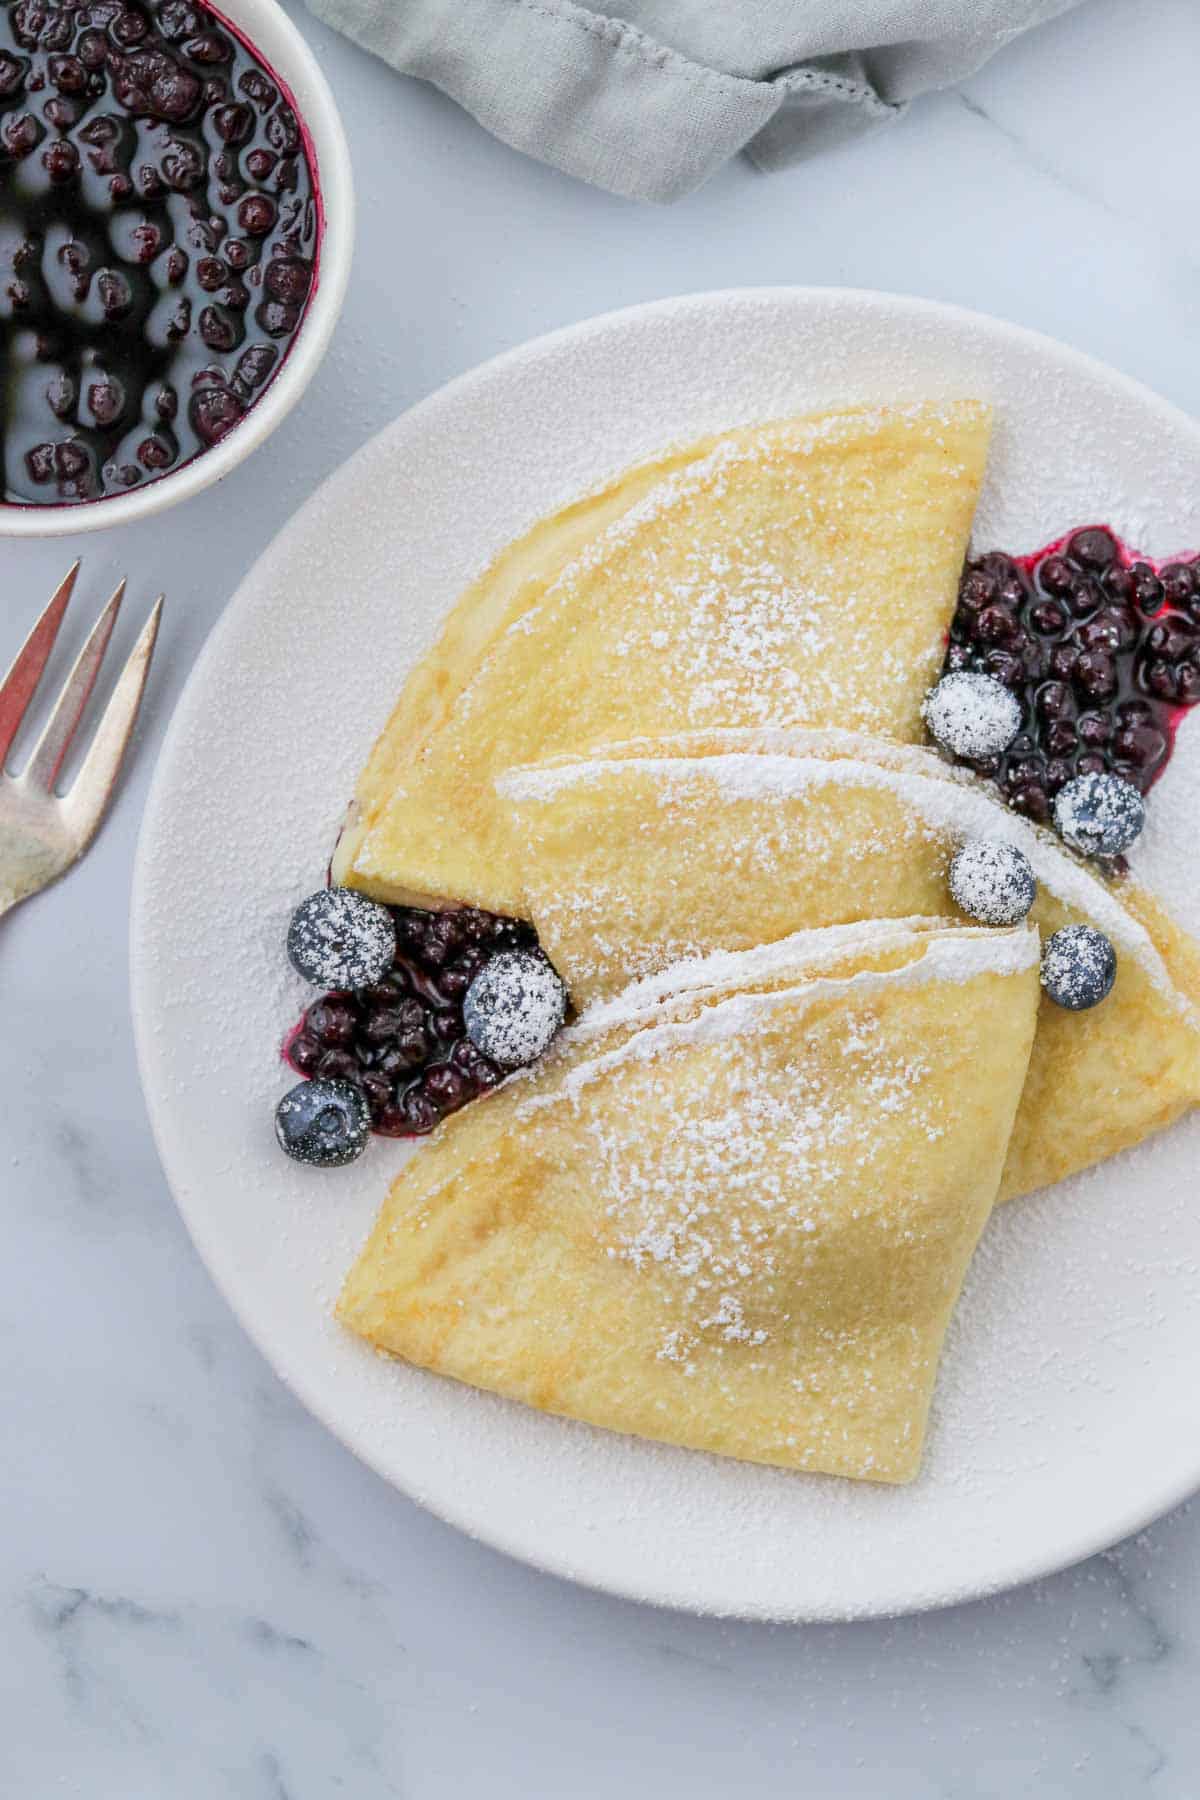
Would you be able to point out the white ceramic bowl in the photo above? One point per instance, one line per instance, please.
(270, 33)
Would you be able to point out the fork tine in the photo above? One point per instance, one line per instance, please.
(89, 793)
(20, 684)
(55, 741)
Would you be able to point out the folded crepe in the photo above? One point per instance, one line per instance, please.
(733, 1208)
(654, 850)
(801, 572)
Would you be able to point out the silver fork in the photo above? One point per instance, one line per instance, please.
(41, 832)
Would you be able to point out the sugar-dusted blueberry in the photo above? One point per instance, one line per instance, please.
(340, 939)
(992, 881)
(323, 1123)
(1099, 815)
(1079, 966)
(972, 715)
(514, 1007)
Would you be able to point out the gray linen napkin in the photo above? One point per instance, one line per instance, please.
(648, 97)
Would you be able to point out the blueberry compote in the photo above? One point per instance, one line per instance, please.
(1101, 648)
(158, 231)
(403, 1042)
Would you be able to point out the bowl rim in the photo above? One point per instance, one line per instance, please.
(279, 43)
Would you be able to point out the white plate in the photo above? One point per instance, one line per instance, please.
(1065, 1414)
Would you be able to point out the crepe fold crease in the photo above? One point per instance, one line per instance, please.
(657, 849)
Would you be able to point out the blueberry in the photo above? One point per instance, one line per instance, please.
(1099, 815)
(340, 939)
(213, 411)
(1048, 618)
(997, 625)
(972, 715)
(513, 1007)
(1079, 966)
(1093, 548)
(332, 1022)
(992, 882)
(325, 1123)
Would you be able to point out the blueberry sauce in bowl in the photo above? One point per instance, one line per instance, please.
(161, 231)
(403, 1041)
(1099, 646)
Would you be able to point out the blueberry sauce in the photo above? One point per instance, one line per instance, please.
(403, 1041)
(159, 231)
(1101, 648)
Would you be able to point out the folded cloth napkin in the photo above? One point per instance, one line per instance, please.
(648, 97)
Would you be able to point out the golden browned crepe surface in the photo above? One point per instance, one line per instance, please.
(659, 849)
(675, 726)
(733, 1215)
(799, 572)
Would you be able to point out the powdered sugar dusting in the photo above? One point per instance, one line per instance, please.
(972, 715)
(1077, 1327)
(776, 1157)
(955, 954)
(736, 628)
(992, 882)
(801, 951)
(947, 799)
(1099, 815)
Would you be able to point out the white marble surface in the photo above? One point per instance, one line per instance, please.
(203, 1594)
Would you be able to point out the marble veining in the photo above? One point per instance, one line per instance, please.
(204, 1595)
